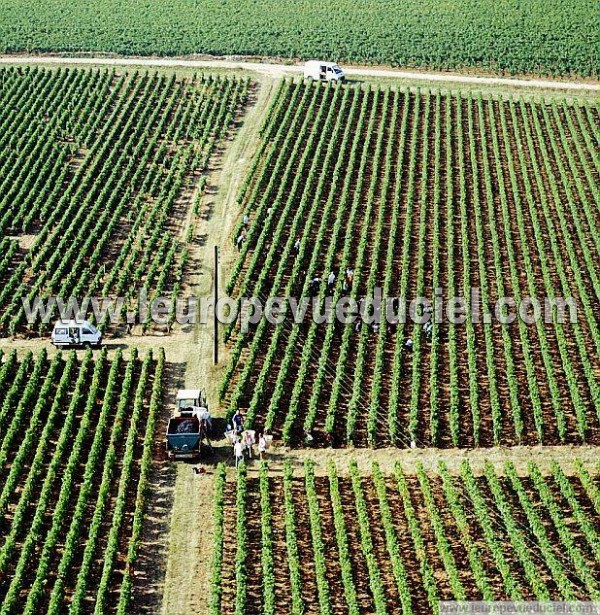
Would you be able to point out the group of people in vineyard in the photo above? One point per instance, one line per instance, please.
(314, 286)
(315, 283)
(243, 440)
(243, 233)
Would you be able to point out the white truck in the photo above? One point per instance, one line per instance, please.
(323, 71)
(73, 333)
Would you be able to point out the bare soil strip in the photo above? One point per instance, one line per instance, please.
(187, 582)
(282, 70)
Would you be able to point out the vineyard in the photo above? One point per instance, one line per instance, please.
(76, 439)
(99, 172)
(518, 36)
(118, 183)
(416, 191)
(399, 543)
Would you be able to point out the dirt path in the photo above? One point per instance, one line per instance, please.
(429, 458)
(281, 70)
(187, 582)
(520, 456)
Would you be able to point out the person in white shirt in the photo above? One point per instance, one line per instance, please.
(201, 413)
(204, 415)
(262, 446)
(331, 281)
(238, 451)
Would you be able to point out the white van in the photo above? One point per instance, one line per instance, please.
(323, 71)
(73, 333)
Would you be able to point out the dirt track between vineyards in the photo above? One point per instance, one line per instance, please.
(282, 70)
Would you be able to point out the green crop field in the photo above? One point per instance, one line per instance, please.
(76, 440)
(99, 169)
(400, 544)
(523, 36)
(415, 192)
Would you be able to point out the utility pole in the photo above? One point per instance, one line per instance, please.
(216, 320)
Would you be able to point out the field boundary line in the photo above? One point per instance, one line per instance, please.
(282, 70)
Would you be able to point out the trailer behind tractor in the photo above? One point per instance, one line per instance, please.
(189, 426)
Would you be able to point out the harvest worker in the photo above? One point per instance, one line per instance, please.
(203, 415)
(239, 242)
(428, 328)
(246, 220)
(331, 281)
(409, 344)
(262, 446)
(297, 246)
(349, 277)
(238, 422)
(238, 451)
(248, 442)
(314, 286)
(230, 434)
